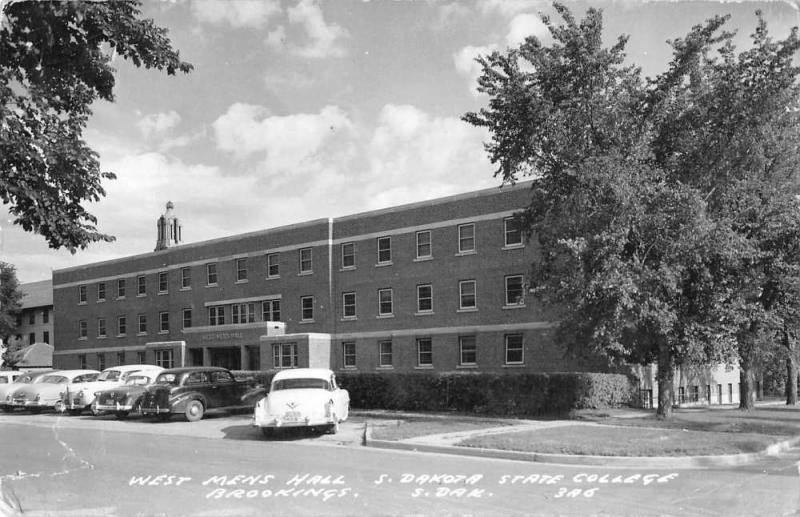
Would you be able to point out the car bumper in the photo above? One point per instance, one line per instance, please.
(155, 410)
(281, 422)
(114, 407)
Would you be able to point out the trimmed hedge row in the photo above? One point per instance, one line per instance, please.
(521, 394)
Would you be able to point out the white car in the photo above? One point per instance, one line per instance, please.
(25, 378)
(47, 391)
(9, 376)
(77, 398)
(302, 397)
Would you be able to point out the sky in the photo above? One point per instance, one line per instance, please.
(299, 110)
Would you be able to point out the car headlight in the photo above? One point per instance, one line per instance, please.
(38, 396)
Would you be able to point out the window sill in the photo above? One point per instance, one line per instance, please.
(242, 281)
(513, 247)
(384, 264)
(122, 335)
(305, 273)
(424, 367)
(81, 303)
(276, 277)
(347, 268)
(466, 366)
(186, 288)
(141, 295)
(212, 285)
(101, 300)
(468, 309)
(512, 307)
(384, 368)
(514, 365)
(349, 318)
(305, 322)
(162, 332)
(84, 338)
(101, 337)
(162, 293)
(424, 259)
(141, 333)
(349, 368)
(120, 298)
(466, 253)
(384, 316)
(424, 313)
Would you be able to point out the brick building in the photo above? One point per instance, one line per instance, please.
(35, 319)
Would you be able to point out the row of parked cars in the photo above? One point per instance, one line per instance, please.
(300, 397)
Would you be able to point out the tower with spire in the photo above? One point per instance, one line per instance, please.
(169, 229)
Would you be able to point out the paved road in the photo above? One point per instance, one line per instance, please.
(67, 466)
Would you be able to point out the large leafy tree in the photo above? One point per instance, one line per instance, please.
(55, 61)
(10, 298)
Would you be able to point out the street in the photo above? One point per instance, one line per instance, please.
(78, 466)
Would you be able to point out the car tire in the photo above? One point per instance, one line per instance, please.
(268, 432)
(93, 409)
(75, 412)
(8, 409)
(194, 411)
(121, 415)
(36, 410)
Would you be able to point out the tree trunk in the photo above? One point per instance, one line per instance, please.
(665, 375)
(746, 384)
(791, 371)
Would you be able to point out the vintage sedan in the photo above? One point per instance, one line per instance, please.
(78, 398)
(124, 399)
(302, 397)
(193, 391)
(48, 391)
(9, 376)
(7, 389)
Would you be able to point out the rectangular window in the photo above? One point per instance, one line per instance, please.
(164, 358)
(141, 285)
(187, 318)
(163, 320)
(122, 325)
(243, 313)
(284, 355)
(384, 250)
(514, 349)
(271, 310)
(513, 231)
(101, 327)
(307, 308)
(466, 294)
(467, 350)
(46, 337)
(424, 244)
(349, 354)
(385, 354)
(349, 305)
(46, 316)
(82, 361)
(348, 255)
(121, 357)
(305, 260)
(273, 265)
(142, 324)
(141, 357)
(32, 317)
(163, 285)
(101, 361)
(101, 291)
(83, 329)
(384, 302)
(32, 338)
(424, 352)
(211, 273)
(186, 278)
(121, 288)
(241, 269)
(81, 294)
(466, 238)
(514, 290)
(216, 316)
(424, 298)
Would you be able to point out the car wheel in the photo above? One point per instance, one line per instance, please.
(36, 410)
(75, 412)
(93, 409)
(268, 432)
(121, 415)
(194, 411)
(8, 409)
(334, 427)
(59, 407)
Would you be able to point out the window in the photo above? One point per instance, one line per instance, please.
(384, 250)
(186, 278)
(82, 361)
(273, 265)
(307, 308)
(141, 357)
(513, 231)
(243, 313)
(514, 349)
(385, 354)
(211, 273)
(141, 285)
(284, 355)
(121, 288)
(514, 292)
(18, 320)
(424, 352)
(81, 294)
(46, 337)
(122, 326)
(467, 351)
(271, 310)
(384, 302)
(349, 354)
(32, 317)
(164, 358)
(216, 316)
(83, 329)
(241, 270)
(424, 244)
(142, 328)
(187, 318)
(348, 255)
(101, 291)
(305, 260)
(121, 357)
(46, 316)
(424, 298)
(466, 294)
(32, 338)
(466, 238)
(101, 361)
(163, 285)
(348, 305)
(163, 319)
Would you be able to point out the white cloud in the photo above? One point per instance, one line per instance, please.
(156, 124)
(466, 65)
(510, 7)
(238, 13)
(322, 39)
(525, 25)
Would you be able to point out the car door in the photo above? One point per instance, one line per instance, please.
(226, 389)
(198, 382)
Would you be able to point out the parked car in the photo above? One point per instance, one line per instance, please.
(126, 398)
(9, 376)
(193, 391)
(47, 391)
(302, 397)
(7, 389)
(78, 398)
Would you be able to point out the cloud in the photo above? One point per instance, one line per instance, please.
(156, 124)
(466, 66)
(321, 38)
(239, 13)
(525, 25)
(510, 7)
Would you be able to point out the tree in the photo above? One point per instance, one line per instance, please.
(55, 61)
(10, 298)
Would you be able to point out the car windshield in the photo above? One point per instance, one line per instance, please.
(138, 380)
(300, 384)
(109, 375)
(3, 380)
(25, 379)
(54, 379)
(167, 378)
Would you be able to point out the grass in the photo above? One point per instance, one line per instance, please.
(413, 427)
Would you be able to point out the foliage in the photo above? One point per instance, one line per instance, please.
(55, 61)
(10, 304)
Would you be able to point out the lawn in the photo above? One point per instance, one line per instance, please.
(413, 427)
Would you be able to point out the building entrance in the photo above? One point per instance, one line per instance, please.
(230, 358)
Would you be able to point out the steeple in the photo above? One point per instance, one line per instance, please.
(169, 229)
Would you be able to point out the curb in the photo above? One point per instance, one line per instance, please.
(721, 460)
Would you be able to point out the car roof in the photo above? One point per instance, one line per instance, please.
(134, 367)
(74, 373)
(304, 373)
(186, 369)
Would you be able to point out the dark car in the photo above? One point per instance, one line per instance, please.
(193, 391)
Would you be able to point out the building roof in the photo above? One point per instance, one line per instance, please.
(37, 355)
(36, 294)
